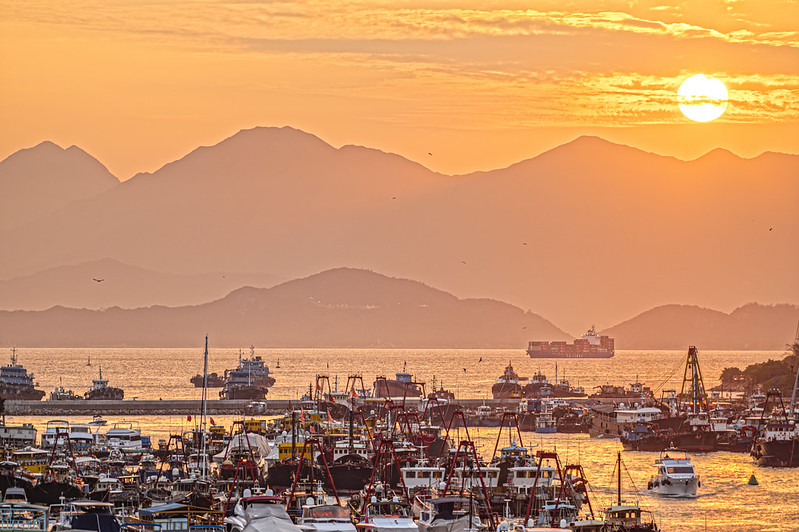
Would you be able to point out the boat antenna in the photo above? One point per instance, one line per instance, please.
(13, 356)
(205, 408)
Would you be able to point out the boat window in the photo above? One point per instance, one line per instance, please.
(326, 512)
(681, 469)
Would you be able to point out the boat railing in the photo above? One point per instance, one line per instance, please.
(23, 516)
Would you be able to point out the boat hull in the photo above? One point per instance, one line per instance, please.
(776, 453)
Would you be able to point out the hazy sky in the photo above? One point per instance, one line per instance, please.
(479, 85)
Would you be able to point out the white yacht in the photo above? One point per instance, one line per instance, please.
(675, 476)
(123, 435)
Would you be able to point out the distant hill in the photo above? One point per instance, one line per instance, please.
(580, 234)
(36, 181)
(109, 283)
(752, 326)
(338, 308)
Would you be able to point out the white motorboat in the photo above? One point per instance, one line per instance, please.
(327, 517)
(675, 475)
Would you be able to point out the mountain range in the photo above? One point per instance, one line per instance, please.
(349, 308)
(589, 232)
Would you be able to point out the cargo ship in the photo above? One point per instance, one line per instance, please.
(591, 345)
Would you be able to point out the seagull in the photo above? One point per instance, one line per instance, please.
(428, 153)
(481, 359)
(98, 280)
(770, 228)
(464, 370)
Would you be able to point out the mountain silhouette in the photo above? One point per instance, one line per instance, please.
(339, 308)
(589, 232)
(37, 181)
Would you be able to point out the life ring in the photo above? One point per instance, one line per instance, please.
(747, 431)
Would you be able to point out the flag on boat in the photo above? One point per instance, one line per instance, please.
(213, 423)
(188, 418)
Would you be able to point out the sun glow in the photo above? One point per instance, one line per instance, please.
(702, 99)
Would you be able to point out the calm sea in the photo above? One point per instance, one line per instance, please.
(726, 503)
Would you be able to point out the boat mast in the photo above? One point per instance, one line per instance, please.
(618, 482)
(795, 349)
(205, 408)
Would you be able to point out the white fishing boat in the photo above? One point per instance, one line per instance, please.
(675, 476)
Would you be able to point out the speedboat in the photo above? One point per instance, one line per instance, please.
(675, 475)
(260, 513)
(325, 517)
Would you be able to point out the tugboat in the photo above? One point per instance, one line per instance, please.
(17, 383)
(100, 390)
(507, 385)
(675, 475)
(250, 380)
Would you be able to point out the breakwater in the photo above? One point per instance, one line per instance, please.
(135, 407)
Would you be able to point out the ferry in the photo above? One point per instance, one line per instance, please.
(591, 345)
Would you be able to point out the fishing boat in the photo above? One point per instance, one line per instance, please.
(675, 476)
(627, 516)
(17, 383)
(777, 443)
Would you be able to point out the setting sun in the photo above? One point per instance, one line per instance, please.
(702, 99)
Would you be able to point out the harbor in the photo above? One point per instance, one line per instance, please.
(518, 416)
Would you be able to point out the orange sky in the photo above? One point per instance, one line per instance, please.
(480, 85)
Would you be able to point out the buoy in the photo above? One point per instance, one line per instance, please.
(753, 481)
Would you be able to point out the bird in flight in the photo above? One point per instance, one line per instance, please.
(97, 280)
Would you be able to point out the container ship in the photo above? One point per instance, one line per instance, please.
(591, 345)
